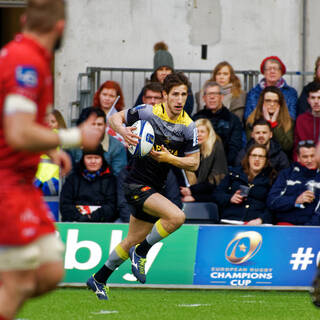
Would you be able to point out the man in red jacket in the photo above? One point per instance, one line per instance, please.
(308, 123)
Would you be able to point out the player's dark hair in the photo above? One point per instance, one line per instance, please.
(41, 15)
(175, 79)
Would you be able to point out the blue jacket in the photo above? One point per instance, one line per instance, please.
(291, 182)
(254, 206)
(290, 95)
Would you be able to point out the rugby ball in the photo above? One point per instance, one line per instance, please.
(144, 130)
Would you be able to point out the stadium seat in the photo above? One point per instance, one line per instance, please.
(53, 204)
(201, 212)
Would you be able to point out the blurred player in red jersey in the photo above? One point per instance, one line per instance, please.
(30, 252)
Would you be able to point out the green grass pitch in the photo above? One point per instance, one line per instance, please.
(134, 303)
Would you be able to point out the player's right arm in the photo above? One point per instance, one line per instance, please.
(117, 121)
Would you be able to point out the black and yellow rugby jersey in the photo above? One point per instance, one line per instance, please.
(178, 136)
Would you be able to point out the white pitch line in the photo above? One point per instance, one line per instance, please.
(194, 305)
(105, 312)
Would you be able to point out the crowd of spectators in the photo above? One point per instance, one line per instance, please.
(257, 149)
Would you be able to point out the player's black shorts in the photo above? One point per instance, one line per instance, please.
(136, 195)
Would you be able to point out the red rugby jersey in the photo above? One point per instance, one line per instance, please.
(25, 70)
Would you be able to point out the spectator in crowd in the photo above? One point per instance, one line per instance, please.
(47, 177)
(114, 152)
(294, 197)
(109, 98)
(162, 66)
(262, 134)
(89, 192)
(212, 168)
(308, 123)
(109, 95)
(303, 104)
(152, 93)
(233, 97)
(272, 107)
(55, 120)
(226, 125)
(273, 69)
(241, 195)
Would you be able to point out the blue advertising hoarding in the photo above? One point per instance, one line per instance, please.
(244, 256)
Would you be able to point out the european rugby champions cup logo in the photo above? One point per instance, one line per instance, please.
(243, 247)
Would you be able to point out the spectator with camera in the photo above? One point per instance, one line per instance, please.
(294, 197)
(241, 194)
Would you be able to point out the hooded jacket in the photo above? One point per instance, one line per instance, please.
(289, 184)
(79, 191)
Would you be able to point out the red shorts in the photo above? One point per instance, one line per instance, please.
(24, 216)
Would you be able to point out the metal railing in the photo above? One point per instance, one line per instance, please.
(132, 80)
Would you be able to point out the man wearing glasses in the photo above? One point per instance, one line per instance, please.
(152, 93)
(226, 124)
(294, 197)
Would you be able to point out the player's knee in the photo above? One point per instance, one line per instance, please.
(178, 219)
(48, 278)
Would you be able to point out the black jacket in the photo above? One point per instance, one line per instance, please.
(254, 206)
(228, 127)
(278, 158)
(289, 185)
(79, 191)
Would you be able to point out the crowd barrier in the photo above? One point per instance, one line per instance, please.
(132, 80)
(200, 256)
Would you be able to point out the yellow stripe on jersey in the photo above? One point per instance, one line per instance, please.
(121, 253)
(163, 233)
(160, 111)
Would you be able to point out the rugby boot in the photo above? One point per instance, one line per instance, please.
(137, 265)
(100, 289)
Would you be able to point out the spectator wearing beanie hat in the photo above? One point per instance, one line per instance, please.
(273, 69)
(162, 66)
(89, 193)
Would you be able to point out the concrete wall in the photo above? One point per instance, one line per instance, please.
(122, 33)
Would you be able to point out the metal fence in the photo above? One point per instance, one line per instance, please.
(132, 80)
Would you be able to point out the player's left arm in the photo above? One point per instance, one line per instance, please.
(62, 159)
(189, 162)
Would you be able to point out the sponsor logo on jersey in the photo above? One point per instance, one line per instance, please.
(146, 188)
(137, 108)
(26, 76)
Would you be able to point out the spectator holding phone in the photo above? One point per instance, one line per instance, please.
(241, 194)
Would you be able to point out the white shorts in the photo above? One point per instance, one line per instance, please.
(48, 248)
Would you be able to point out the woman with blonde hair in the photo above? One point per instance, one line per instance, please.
(234, 98)
(212, 168)
(273, 108)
